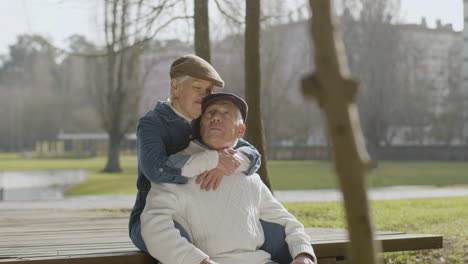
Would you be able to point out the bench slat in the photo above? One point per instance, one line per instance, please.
(95, 237)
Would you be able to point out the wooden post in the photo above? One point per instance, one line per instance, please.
(335, 92)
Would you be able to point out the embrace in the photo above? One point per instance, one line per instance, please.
(199, 199)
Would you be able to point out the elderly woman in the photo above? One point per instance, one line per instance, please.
(167, 129)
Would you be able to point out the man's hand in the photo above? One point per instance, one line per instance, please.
(227, 164)
(303, 259)
(207, 261)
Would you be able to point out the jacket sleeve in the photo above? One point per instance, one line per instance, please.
(271, 210)
(162, 239)
(154, 162)
(251, 153)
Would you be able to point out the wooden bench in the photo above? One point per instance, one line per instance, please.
(76, 237)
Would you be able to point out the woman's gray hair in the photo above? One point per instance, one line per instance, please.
(180, 79)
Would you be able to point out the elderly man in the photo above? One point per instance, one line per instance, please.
(224, 225)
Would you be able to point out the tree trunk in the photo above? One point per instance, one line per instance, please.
(113, 153)
(255, 133)
(335, 92)
(202, 29)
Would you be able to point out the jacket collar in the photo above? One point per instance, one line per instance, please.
(164, 110)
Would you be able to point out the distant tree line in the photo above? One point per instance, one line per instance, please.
(44, 91)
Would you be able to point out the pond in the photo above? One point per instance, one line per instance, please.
(38, 185)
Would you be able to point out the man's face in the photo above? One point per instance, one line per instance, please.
(188, 96)
(219, 126)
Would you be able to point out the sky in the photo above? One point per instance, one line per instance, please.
(58, 19)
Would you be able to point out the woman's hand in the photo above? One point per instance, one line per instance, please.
(303, 259)
(207, 261)
(227, 164)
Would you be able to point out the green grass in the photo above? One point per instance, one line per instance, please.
(285, 175)
(292, 175)
(445, 216)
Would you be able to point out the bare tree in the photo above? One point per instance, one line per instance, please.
(117, 96)
(202, 29)
(128, 27)
(255, 133)
(281, 67)
(282, 63)
(373, 42)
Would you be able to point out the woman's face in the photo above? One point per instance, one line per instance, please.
(188, 96)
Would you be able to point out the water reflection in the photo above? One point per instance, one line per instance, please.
(31, 194)
(38, 185)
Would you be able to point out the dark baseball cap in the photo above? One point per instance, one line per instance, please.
(212, 98)
(239, 102)
(194, 66)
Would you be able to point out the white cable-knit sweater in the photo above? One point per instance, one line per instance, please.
(223, 224)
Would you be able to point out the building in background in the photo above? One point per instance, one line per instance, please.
(433, 52)
(80, 145)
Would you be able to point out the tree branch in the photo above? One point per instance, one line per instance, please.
(122, 49)
(226, 14)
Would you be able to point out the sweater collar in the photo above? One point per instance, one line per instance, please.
(200, 144)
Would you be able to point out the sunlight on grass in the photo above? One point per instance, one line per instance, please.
(445, 216)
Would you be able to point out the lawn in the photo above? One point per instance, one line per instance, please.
(292, 175)
(285, 175)
(445, 216)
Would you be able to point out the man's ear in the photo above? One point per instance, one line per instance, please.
(242, 129)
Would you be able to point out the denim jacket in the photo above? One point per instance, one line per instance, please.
(160, 134)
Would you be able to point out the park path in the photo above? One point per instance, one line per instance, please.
(115, 202)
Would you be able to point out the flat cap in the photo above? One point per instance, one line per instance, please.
(194, 66)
